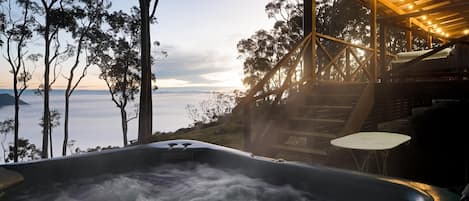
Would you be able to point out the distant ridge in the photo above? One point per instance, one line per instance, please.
(7, 99)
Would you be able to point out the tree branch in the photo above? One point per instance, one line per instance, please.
(154, 9)
(83, 74)
(132, 117)
(109, 87)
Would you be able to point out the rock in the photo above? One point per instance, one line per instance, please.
(7, 99)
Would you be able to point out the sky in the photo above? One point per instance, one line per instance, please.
(199, 36)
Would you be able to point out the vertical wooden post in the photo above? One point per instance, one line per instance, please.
(313, 39)
(408, 36)
(382, 51)
(348, 76)
(307, 29)
(374, 42)
(429, 41)
(309, 26)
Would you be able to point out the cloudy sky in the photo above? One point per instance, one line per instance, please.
(200, 37)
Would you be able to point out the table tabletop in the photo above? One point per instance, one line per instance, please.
(370, 141)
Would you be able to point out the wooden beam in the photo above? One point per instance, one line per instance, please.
(451, 7)
(451, 21)
(442, 18)
(343, 42)
(414, 30)
(399, 11)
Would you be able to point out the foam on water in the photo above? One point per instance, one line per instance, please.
(195, 182)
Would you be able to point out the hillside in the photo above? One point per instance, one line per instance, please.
(228, 134)
(7, 99)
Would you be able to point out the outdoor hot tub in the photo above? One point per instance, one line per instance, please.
(187, 169)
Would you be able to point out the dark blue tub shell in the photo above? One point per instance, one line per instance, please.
(326, 183)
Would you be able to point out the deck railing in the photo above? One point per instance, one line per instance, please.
(345, 62)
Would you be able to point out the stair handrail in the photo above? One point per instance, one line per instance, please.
(254, 90)
(252, 96)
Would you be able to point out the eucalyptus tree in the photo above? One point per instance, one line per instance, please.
(88, 16)
(17, 34)
(146, 109)
(57, 15)
(116, 52)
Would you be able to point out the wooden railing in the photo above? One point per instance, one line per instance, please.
(344, 62)
(351, 63)
(288, 66)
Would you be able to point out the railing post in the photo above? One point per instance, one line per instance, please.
(348, 76)
(382, 50)
(313, 40)
(408, 35)
(247, 126)
(309, 26)
(429, 41)
(374, 42)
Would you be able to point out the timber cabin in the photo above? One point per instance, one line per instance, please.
(361, 86)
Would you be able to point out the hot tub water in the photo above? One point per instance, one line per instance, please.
(187, 181)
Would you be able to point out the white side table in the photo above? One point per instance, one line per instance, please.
(373, 142)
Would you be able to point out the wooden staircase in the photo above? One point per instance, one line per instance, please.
(321, 114)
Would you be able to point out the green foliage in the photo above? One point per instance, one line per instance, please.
(54, 119)
(95, 149)
(26, 151)
(116, 52)
(211, 110)
(229, 134)
(6, 127)
(115, 49)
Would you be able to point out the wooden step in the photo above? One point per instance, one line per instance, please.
(299, 149)
(307, 134)
(332, 99)
(339, 87)
(328, 107)
(338, 121)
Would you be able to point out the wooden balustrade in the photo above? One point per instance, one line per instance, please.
(351, 63)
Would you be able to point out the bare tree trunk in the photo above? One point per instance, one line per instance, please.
(50, 143)
(145, 110)
(46, 123)
(46, 114)
(124, 125)
(67, 106)
(17, 113)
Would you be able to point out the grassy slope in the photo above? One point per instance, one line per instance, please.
(229, 135)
